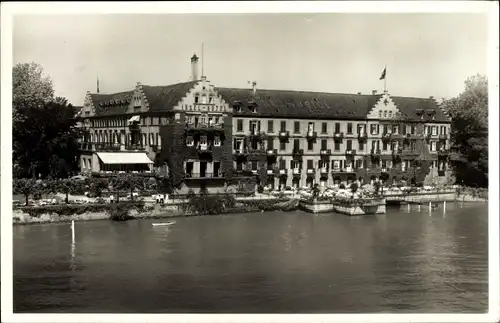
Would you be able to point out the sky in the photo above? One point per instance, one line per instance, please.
(425, 54)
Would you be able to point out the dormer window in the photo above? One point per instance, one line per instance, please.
(385, 114)
(203, 99)
(210, 99)
(237, 108)
(196, 99)
(253, 109)
(137, 101)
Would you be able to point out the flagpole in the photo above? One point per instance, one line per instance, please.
(385, 79)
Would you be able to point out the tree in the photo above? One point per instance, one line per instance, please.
(29, 187)
(30, 86)
(129, 182)
(469, 132)
(45, 139)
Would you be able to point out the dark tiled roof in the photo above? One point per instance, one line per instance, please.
(164, 98)
(410, 108)
(109, 104)
(299, 104)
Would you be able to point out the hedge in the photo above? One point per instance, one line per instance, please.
(71, 209)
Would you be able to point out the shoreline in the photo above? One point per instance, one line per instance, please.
(21, 218)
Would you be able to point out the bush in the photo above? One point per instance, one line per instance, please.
(73, 209)
(205, 204)
(260, 189)
(342, 186)
(119, 212)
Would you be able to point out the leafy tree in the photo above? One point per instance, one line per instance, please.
(97, 185)
(129, 182)
(45, 139)
(469, 132)
(70, 186)
(30, 86)
(25, 187)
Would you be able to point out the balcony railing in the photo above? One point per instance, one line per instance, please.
(443, 137)
(296, 171)
(204, 126)
(218, 175)
(135, 147)
(204, 148)
(311, 135)
(338, 136)
(240, 152)
(311, 171)
(323, 170)
(297, 152)
(362, 136)
(386, 136)
(270, 172)
(272, 152)
(443, 153)
(284, 135)
(342, 170)
(350, 152)
(325, 152)
(282, 171)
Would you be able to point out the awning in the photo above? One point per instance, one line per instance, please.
(135, 119)
(124, 158)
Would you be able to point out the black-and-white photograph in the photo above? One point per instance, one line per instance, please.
(250, 163)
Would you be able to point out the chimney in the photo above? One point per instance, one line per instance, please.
(431, 97)
(194, 68)
(359, 93)
(254, 87)
(374, 92)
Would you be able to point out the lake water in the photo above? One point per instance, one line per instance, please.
(258, 263)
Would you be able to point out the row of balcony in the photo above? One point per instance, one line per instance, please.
(105, 146)
(205, 126)
(324, 170)
(364, 135)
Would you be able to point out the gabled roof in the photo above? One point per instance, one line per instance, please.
(164, 98)
(301, 104)
(110, 104)
(410, 108)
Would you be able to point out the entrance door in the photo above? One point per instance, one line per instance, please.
(203, 169)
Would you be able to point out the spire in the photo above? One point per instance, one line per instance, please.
(97, 83)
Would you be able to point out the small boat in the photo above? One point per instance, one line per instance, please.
(163, 224)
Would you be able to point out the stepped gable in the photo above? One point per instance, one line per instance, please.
(111, 104)
(165, 98)
(300, 104)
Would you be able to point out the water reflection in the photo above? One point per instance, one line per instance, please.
(264, 263)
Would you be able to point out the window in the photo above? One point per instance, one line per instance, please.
(412, 130)
(282, 164)
(310, 145)
(296, 127)
(196, 99)
(361, 128)
(254, 164)
(384, 145)
(361, 146)
(336, 146)
(294, 164)
(323, 164)
(189, 141)
(390, 114)
(270, 126)
(270, 143)
(239, 125)
(253, 109)
(444, 130)
(349, 128)
(384, 129)
(434, 130)
(217, 141)
(433, 146)
(349, 144)
(323, 144)
(394, 146)
(296, 144)
(324, 127)
(310, 127)
(337, 127)
(395, 129)
(373, 129)
(359, 163)
(380, 114)
(310, 164)
(238, 144)
(385, 114)
(283, 126)
(282, 145)
(237, 108)
(403, 128)
(210, 99)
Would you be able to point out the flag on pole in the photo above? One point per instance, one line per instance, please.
(382, 77)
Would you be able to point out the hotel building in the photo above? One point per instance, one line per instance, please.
(203, 135)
